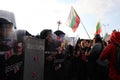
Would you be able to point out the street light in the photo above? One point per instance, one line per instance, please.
(105, 25)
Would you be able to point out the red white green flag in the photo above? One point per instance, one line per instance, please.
(98, 28)
(73, 20)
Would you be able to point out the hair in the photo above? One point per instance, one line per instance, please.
(44, 33)
(99, 39)
(78, 41)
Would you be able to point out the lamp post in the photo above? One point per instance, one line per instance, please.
(105, 33)
(105, 25)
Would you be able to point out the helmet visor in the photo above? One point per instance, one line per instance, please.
(7, 31)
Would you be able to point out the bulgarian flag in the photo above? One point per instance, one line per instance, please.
(73, 20)
(98, 28)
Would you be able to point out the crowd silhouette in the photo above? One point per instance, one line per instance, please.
(82, 61)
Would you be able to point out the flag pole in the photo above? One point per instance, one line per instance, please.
(74, 40)
(85, 29)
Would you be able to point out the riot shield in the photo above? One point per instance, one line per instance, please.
(34, 59)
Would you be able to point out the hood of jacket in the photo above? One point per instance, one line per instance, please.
(115, 37)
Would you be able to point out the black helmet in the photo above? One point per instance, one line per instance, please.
(7, 30)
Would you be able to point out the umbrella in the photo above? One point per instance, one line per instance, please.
(59, 32)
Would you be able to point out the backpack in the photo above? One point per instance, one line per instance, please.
(117, 57)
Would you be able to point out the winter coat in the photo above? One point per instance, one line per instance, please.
(109, 53)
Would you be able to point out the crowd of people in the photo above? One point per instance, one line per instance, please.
(87, 60)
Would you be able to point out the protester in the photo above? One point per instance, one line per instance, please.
(83, 68)
(109, 53)
(78, 66)
(93, 56)
(67, 71)
(76, 62)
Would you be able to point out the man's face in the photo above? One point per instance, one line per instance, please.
(49, 38)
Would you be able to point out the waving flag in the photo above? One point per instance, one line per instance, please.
(98, 28)
(73, 19)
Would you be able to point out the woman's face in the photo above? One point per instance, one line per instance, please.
(83, 44)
